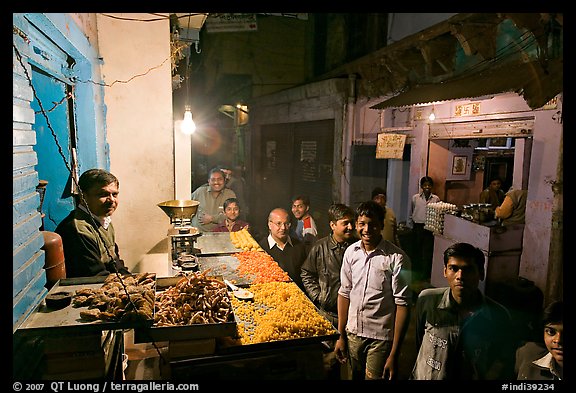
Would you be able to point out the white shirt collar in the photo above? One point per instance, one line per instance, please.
(104, 221)
(547, 362)
(272, 242)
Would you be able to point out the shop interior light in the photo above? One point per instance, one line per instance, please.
(432, 116)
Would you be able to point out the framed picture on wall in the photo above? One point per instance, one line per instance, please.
(459, 165)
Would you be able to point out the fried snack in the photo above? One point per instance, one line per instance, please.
(116, 301)
(195, 299)
(92, 314)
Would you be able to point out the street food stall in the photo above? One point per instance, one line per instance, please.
(197, 324)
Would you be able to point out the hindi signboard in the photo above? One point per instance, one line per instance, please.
(224, 23)
(390, 145)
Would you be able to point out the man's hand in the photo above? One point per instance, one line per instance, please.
(206, 218)
(340, 350)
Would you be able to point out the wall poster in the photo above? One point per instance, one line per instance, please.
(459, 164)
(271, 154)
(308, 152)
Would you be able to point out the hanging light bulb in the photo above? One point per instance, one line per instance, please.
(188, 126)
(432, 116)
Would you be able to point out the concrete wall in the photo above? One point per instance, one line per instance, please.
(138, 97)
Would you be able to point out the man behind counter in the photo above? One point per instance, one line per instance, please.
(288, 252)
(87, 233)
(513, 210)
(211, 197)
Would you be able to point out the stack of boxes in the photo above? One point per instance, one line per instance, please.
(84, 356)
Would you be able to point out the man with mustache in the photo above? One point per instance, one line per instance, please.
(461, 333)
(87, 233)
(211, 197)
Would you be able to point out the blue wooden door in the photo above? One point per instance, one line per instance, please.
(52, 73)
(52, 146)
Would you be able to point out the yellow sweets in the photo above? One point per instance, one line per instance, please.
(244, 240)
(280, 311)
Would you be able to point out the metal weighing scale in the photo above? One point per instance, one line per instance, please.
(183, 236)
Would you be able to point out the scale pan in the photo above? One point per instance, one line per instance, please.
(180, 208)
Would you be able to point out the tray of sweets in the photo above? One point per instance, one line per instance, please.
(190, 306)
(279, 316)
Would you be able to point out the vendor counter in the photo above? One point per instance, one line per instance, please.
(502, 247)
(195, 327)
(215, 352)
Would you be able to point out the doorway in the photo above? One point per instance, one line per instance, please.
(296, 158)
(501, 167)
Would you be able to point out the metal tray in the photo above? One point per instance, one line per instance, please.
(215, 243)
(291, 343)
(189, 332)
(225, 266)
(45, 320)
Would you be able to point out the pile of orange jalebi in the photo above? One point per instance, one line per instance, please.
(261, 266)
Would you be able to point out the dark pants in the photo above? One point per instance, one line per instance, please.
(423, 253)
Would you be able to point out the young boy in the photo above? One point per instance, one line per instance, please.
(231, 223)
(535, 361)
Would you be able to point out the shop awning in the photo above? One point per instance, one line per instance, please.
(537, 84)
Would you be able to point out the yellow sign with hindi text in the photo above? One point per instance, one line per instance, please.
(390, 145)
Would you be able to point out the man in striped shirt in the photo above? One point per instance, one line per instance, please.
(305, 228)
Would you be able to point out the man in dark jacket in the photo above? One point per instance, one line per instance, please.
(87, 233)
(321, 270)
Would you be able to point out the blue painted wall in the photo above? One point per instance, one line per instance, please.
(49, 54)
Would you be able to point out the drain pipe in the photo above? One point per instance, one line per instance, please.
(347, 140)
